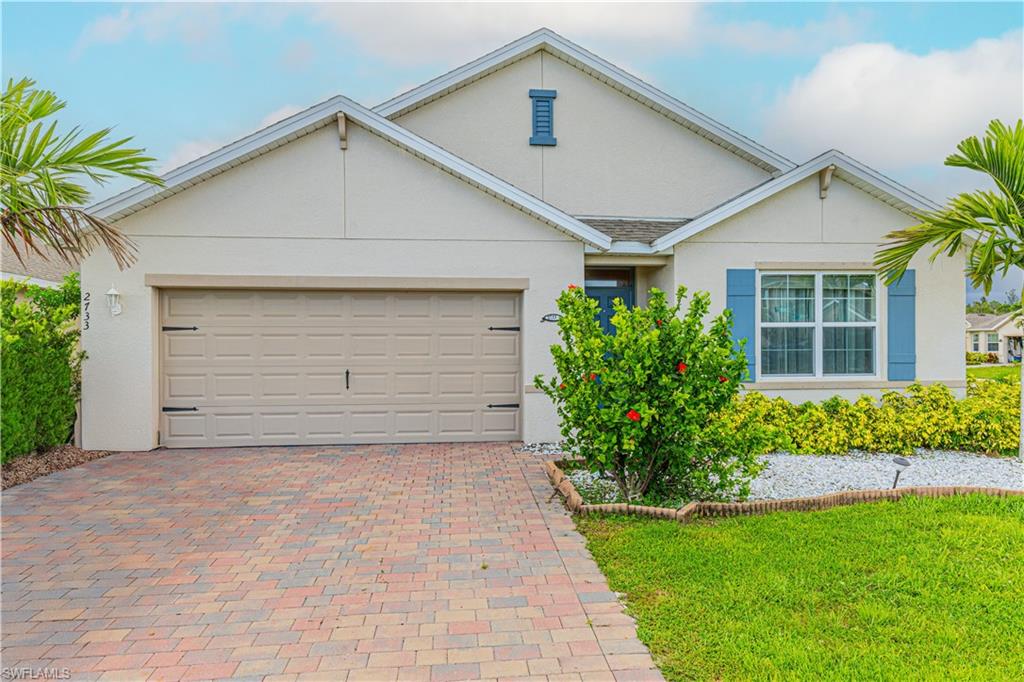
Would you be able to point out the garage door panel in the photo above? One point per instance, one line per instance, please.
(270, 367)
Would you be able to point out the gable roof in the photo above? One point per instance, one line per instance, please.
(549, 41)
(323, 114)
(849, 169)
(986, 322)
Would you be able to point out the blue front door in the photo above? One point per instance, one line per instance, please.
(604, 285)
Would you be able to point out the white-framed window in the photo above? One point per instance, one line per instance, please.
(817, 324)
(976, 342)
(992, 342)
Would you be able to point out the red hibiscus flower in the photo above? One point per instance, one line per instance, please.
(561, 386)
(657, 322)
(681, 367)
(573, 286)
(593, 376)
(633, 416)
(722, 380)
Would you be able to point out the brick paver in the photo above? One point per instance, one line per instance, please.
(414, 562)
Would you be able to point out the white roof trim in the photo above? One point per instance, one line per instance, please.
(647, 94)
(315, 117)
(847, 168)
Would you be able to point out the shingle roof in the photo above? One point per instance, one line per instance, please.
(644, 230)
(50, 268)
(983, 321)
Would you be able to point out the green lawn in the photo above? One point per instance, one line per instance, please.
(997, 372)
(916, 589)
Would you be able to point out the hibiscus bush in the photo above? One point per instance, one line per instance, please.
(642, 405)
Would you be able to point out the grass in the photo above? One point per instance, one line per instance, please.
(996, 372)
(915, 589)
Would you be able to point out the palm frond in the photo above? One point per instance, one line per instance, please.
(42, 174)
(986, 226)
(70, 232)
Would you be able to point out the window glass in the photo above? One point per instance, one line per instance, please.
(993, 343)
(976, 342)
(787, 351)
(787, 298)
(848, 298)
(848, 350)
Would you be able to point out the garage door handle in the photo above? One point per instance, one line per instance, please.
(502, 404)
(346, 379)
(179, 409)
(179, 329)
(503, 329)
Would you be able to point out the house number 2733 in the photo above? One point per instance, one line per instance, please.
(86, 299)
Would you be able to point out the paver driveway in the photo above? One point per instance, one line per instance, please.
(437, 562)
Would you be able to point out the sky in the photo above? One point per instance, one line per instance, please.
(895, 85)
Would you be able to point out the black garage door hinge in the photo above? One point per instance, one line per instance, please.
(179, 409)
(502, 404)
(179, 329)
(503, 329)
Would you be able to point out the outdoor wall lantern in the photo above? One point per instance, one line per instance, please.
(901, 464)
(114, 300)
(551, 317)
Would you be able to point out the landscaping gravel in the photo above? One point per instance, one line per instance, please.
(806, 475)
(787, 476)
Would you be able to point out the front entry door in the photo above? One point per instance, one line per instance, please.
(604, 285)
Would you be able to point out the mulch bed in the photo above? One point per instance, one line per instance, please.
(27, 467)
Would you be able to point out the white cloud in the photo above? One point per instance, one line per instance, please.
(188, 151)
(412, 33)
(279, 115)
(897, 110)
(813, 37)
(193, 149)
(409, 33)
(299, 55)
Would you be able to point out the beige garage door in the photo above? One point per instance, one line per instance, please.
(322, 367)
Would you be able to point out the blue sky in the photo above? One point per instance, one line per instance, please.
(896, 85)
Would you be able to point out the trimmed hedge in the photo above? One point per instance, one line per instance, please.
(40, 365)
(975, 358)
(986, 421)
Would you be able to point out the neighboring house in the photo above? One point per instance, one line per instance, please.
(351, 275)
(47, 269)
(999, 334)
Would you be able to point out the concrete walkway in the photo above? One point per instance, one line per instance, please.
(419, 562)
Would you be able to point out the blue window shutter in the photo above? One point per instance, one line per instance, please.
(902, 335)
(543, 117)
(739, 297)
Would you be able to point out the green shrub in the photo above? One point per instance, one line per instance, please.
(986, 421)
(975, 358)
(642, 405)
(40, 365)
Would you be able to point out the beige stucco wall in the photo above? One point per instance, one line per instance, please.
(308, 208)
(602, 134)
(797, 226)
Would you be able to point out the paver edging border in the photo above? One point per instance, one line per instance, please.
(575, 504)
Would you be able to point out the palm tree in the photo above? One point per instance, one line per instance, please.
(986, 225)
(40, 179)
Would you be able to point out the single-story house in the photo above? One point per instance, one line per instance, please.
(999, 334)
(354, 275)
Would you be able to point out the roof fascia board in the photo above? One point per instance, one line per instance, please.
(133, 199)
(547, 39)
(843, 163)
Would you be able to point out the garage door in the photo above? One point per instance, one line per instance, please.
(323, 367)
